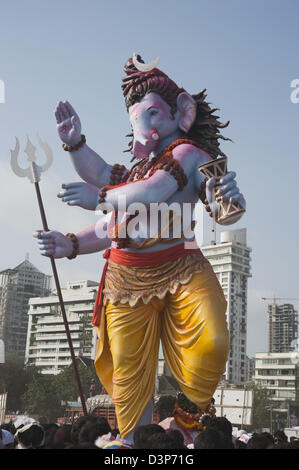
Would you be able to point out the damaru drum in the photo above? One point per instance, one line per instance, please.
(227, 211)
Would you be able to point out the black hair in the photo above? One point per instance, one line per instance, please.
(162, 441)
(94, 429)
(143, 433)
(260, 441)
(165, 406)
(76, 428)
(177, 437)
(279, 435)
(221, 424)
(213, 439)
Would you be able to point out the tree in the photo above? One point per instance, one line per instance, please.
(14, 377)
(34, 393)
(260, 410)
(44, 394)
(66, 385)
(41, 398)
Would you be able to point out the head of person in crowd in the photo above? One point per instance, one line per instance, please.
(268, 436)
(260, 441)
(206, 420)
(93, 429)
(162, 441)
(294, 443)
(177, 437)
(77, 425)
(281, 445)
(50, 431)
(279, 436)
(220, 423)
(212, 438)
(30, 436)
(165, 407)
(7, 439)
(62, 436)
(143, 433)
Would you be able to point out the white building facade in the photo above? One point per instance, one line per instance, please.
(278, 373)
(231, 263)
(47, 346)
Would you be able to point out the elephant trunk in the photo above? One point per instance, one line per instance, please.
(143, 146)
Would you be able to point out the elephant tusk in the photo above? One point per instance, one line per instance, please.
(144, 67)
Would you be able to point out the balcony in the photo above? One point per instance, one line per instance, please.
(58, 328)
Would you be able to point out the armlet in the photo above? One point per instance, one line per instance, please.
(118, 173)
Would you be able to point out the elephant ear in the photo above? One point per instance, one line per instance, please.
(187, 108)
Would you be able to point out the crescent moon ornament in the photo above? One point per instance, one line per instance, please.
(144, 67)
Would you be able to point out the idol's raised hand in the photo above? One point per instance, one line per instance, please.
(53, 243)
(68, 123)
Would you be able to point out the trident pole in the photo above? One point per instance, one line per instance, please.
(33, 173)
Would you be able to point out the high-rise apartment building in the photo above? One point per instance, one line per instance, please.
(282, 327)
(17, 286)
(231, 262)
(47, 346)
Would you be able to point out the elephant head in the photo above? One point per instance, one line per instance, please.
(155, 126)
(159, 110)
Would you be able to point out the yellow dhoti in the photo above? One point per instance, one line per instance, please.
(189, 320)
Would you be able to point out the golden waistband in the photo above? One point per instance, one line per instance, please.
(127, 284)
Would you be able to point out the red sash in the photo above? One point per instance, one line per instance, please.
(137, 260)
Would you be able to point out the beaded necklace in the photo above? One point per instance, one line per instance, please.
(141, 169)
(163, 160)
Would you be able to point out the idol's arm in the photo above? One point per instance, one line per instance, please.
(157, 188)
(160, 186)
(88, 164)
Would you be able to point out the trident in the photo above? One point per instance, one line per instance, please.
(33, 172)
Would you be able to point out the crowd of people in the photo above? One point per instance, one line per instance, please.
(94, 432)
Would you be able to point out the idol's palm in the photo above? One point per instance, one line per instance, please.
(68, 123)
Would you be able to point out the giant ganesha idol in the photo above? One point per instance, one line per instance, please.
(156, 284)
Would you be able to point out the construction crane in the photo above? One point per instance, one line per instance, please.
(279, 298)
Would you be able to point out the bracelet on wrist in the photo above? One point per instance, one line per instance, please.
(102, 195)
(72, 148)
(75, 243)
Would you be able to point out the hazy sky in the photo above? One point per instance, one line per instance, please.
(244, 52)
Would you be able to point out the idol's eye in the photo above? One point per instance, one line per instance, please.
(153, 111)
